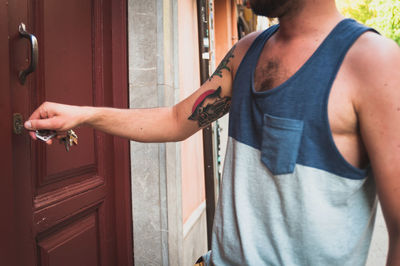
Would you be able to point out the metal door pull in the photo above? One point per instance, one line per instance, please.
(34, 53)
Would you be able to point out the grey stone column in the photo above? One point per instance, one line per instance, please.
(156, 171)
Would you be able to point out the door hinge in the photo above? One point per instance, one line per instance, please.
(18, 123)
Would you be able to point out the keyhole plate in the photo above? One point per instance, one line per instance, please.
(18, 124)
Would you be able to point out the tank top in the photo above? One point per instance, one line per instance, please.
(288, 197)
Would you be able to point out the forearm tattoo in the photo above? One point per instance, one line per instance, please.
(223, 64)
(209, 107)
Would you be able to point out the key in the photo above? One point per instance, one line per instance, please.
(70, 140)
(45, 134)
(66, 143)
(73, 138)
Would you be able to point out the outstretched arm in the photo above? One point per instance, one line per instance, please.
(210, 102)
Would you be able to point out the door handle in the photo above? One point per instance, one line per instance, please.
(34, 53)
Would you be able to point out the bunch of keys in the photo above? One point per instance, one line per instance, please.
(69, 140)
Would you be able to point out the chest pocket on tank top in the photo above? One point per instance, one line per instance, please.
(281, 143)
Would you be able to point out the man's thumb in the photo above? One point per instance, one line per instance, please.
(38, 124)
(28, 125)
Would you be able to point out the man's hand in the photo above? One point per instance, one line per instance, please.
(58, 117)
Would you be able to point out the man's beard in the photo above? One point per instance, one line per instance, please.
(274, 8)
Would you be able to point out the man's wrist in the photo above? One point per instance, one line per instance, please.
(89, 115)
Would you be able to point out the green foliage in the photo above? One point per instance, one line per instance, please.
(383, 15)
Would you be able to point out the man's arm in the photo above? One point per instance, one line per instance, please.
(378, 108)
(210, 102)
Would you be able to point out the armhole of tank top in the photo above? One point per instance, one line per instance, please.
(339, 158)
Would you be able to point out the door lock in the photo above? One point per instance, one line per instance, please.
(18, 123)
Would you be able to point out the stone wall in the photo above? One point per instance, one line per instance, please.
(156, 179)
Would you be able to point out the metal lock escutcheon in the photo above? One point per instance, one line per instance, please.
(18, 123)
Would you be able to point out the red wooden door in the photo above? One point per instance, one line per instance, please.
(64, 208)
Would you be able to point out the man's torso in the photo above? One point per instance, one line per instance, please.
(277, 63)
(283, 176)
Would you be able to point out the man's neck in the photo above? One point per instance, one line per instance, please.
(314, 18)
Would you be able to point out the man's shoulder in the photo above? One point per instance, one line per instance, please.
(374, 63)
(247, 40)
(372, 56)
(241, 48)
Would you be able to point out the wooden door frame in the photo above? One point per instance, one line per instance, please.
(122, 185)
(7, 248)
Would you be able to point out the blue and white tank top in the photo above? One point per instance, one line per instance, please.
(288, 197)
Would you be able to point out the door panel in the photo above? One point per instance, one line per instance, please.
(65, 74)
(68, 184)
(66, 40)
(61, 205)
(67, 211)
(76, 244)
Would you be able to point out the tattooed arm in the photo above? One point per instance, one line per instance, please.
(210, 102)
(213, 104)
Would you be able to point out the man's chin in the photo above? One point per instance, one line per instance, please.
(273, 8)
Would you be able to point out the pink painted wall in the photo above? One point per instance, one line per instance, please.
(225, 27)
(193, 189)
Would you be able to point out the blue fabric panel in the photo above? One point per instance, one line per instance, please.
(280, 144)
(304, 97)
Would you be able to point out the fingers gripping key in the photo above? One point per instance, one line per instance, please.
(45, 135)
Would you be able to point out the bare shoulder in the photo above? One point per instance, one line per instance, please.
(372, 49)
(374, 63)
(241, 48)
